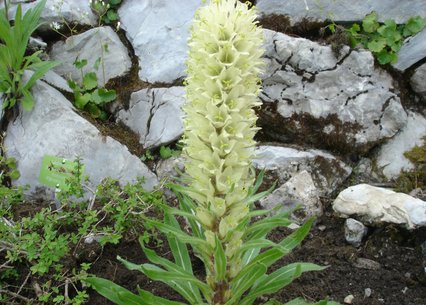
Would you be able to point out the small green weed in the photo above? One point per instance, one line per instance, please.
(106, 10)
(48, 239)
(383, 40)
(87, 95)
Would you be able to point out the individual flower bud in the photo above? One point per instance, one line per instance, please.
(204, 217)
(210, 238)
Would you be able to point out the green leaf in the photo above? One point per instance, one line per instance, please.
(385, 57)
(122, 296)
(102, 96)
(413, 26)
(278, 279)
(94, 110)
(369, 23)
(264, 226)
(270, 256)
(81, 100)
(114, 2)
(90, 81)
(181, 256)
(39, 70)
(112, 15)
(175, 280)
(27, 100)
(245, 282)
(220, 262)
(15, 174)
(377, 45)
(183, 237)
(80, 64)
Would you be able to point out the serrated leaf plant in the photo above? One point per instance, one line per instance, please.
(13, 59)
(87, 95)
(384, 40)
(222, 87)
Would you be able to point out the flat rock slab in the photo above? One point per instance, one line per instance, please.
(97, 43)
(53, 128)
(284, 163)
(342, 10)
(390, 158)
(158, 31)
(156, 115)
(377, 206)
(72, 11)
(336, 101)
(412, 51)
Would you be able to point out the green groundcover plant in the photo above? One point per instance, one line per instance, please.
(384, 40)
(220, 186)
(13, 59)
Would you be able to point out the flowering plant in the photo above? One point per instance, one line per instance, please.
(220, 188)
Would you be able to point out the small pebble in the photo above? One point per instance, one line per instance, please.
(365, 263)
(404, 290)
(322, 228)
(348, 299)
(367, 292)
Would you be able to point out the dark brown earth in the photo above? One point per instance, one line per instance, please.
(400, 279)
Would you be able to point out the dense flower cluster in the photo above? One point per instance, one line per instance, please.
(222, 91)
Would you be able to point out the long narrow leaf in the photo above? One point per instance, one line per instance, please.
(220, 262)
(277, 280)
(247, 280)
(173, 279)
(122, 296)
(39, 70)
(269, 257)
(183, 237)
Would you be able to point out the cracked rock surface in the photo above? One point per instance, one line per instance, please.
(158, 31)
(90, 46)
(283, 163)
(54, 128)
(336, 101)
(156, 115)
(343, 10)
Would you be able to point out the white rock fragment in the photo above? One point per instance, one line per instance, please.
(374, 205)
(354, 232)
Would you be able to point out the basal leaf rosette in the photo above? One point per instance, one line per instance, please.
(221, 91)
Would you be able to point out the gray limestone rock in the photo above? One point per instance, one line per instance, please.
(72, 11)
(342, 10)
(297, 191)
(390, 159)
(418, 81)
(283, 163)
(312, 95)
(158, 31)
(53, 128)
(156, 115)
(354, 231)
(376, 206)
(90, 46)
(413, 50)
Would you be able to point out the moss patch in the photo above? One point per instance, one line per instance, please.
(416, 178)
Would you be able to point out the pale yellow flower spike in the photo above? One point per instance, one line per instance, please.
(221, 91)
